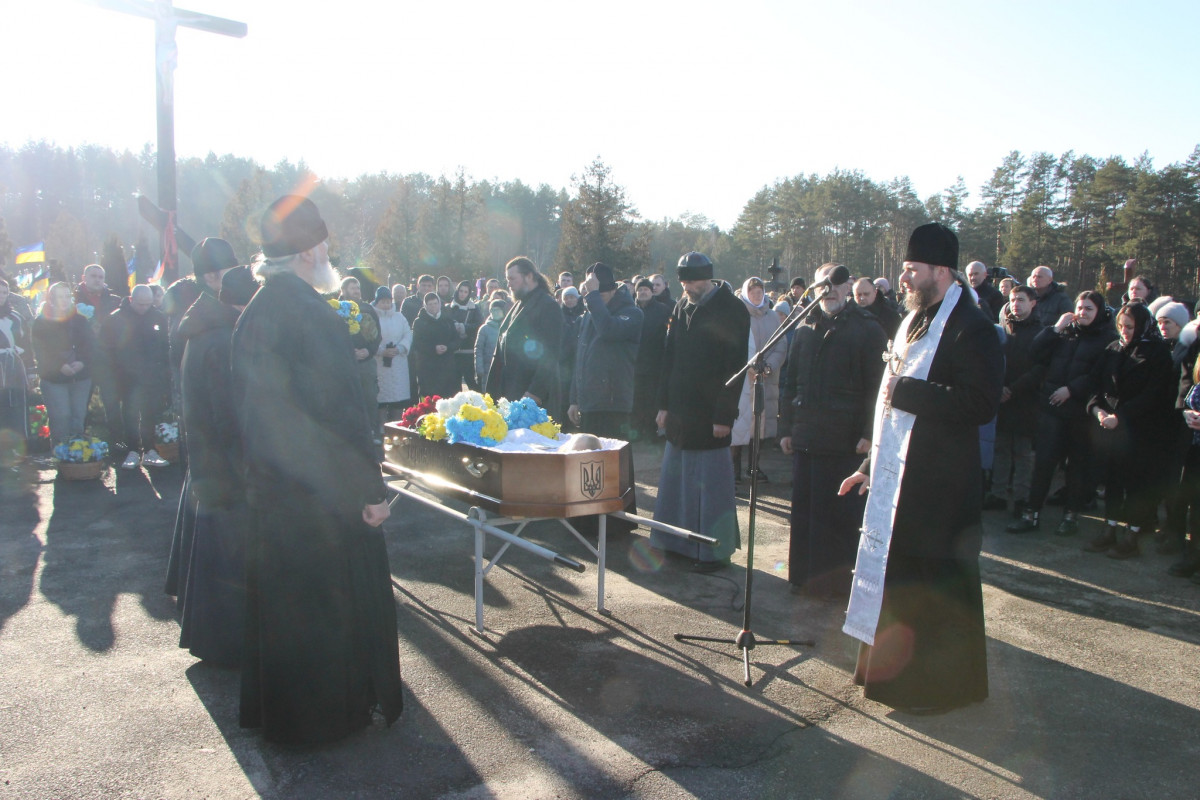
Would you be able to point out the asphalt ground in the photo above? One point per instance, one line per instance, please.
(1095, 674)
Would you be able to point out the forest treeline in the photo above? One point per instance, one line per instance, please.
(1080, 215)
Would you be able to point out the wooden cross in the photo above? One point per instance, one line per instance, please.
(166, 19)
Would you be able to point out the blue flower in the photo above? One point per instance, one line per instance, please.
(525, 413)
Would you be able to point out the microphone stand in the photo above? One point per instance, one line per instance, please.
(746, 640)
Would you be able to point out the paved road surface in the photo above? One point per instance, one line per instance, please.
(1095, 673)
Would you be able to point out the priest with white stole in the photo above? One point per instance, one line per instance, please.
(916, 603)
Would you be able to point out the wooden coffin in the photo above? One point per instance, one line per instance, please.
(513, 484)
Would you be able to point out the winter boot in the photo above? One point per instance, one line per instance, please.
(1126, 546)
(1104, 541)
(1028, 523)
(1069, 525)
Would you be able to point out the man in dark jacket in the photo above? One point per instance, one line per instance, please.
(529, 347)
(602, 387)
(922, 624)
(92, 291)
(647, 372)
(1012, 466)
(1052, 299)
(870, 299)
(321, 649)
(826, 412)
(601, 390)
(990, 299)
(135, 337)
(413, 304)
(708, 341)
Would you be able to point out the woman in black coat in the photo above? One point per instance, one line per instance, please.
(1133, 416)
(433, 343)
(1069, 351)
(467, 318)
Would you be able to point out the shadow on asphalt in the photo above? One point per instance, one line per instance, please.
(19, 544)
(106, 538)
(1019, 729)
(416, 757)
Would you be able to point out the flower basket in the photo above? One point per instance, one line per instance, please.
(80, 458)
(168, 450)
(75, 471)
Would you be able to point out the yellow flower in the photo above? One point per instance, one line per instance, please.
(354, 326)
(432, 427)
(488, 401)
(494, 426)
(548, 429)
(333, 301)
(470, 413)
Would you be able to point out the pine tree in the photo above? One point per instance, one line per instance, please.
(595, 224)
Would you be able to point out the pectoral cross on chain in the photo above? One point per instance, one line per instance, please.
(895, 364)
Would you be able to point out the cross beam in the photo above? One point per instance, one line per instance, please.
(166, 19)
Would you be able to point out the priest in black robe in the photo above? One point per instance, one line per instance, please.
(929, 654)
(321, 649)
(526, 362)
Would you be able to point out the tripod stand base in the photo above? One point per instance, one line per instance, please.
(746, 641)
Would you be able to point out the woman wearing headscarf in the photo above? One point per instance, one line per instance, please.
(392, 357)
(763, 322)
(433, 342)
(1132, 413)
(1070, 351)
(467, 318)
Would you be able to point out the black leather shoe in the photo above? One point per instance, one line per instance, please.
(1026, 524)
(1068, 527)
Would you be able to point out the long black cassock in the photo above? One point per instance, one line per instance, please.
(212, 592)
(321, 646)
(930, 645)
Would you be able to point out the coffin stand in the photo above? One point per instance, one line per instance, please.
(511, 490)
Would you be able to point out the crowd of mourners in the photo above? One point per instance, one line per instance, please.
(1105, 395)
(1109, 396)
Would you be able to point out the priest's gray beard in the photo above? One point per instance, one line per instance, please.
(325, 277)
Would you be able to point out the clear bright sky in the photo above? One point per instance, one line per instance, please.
(694, 105)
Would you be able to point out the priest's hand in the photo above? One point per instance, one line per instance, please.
(660, 419)
(859, 479)
(376, 513)
(785, 444)
(863, 447)
(721, 431)
(573, 413)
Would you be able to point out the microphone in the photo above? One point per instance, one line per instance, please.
(837, 277)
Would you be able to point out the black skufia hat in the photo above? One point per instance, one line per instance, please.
(212, 255)
(933, 244)
(695, 266)
(292, 225)
(604, 276)
(238, 286)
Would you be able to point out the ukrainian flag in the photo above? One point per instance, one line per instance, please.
(31, 254)
(131, 272)
(41, 282)
(31, 284)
